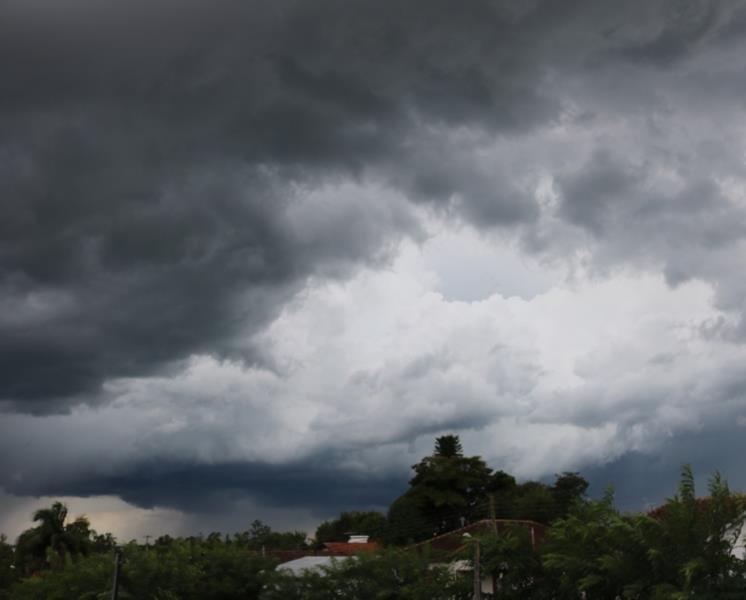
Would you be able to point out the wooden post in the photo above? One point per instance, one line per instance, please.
(492, 514)
(493, 518)
(477, 573)
(117, 569)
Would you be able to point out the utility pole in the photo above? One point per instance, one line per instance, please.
(492, 514)
(477, 573)
(117, 569)
(493, 517)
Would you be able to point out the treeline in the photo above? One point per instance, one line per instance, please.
(450, 490)
(685, 549)
(60, 560)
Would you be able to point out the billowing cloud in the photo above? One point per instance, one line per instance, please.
(360, 375)
(280, 247)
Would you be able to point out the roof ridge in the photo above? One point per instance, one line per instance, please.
(474, 523)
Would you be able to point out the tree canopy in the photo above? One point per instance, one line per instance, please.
(687, 548)
(449, 490)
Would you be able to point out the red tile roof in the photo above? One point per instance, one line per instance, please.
(348, 549)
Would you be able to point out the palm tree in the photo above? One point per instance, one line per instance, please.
(51, 541)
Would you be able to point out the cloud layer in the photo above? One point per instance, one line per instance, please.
(279, 248)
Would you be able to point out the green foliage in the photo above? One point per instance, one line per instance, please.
(683, 550)
(691, 541)
(192, 569)
(370, 523)
(86, 579)
(183, 569)
(448, 446)
(501, 483)
(406, 521)
(261, 537)
(598, 551)
(53, 543)
(516, 567)
(449, 490)
(534, 501)
(8, 572)
(568, 489)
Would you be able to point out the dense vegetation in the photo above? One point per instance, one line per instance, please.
(684, 549)
(449, 490)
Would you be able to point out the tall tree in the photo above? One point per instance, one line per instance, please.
(568, 489)
(448, 446)
(261, 536)
(52, 542)
(448, 489)
(8, 573)
(684, 549)
(692, 540)
(514, 564)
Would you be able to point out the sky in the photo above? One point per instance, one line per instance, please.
(256, 256)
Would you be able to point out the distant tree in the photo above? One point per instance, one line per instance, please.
(52, 542)
(533, 500)
(103, 542)
(501, 482)
(514, 564)
(691, 541)
(86, 579)
(8, 572)
(501, 491)
(448, 446)
(683, 550)
(451, 489)
(447, 490)
(598, 552)
(163, 541)
(259, 530)
(260, 536)
(568, 489)
(183, 569)
(406, 521)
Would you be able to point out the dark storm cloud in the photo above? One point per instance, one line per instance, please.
(127, 284)
(326, 487)
(610, 195)
(685, 25)
(171, 173)
(150, 152)
(686, 228)
(149, 156)
(644, 480)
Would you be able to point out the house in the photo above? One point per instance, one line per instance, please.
(443, 548)
(306, 563)
(299, 561)
(356, 544)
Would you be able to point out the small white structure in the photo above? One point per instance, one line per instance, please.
(463, 566)
(358, 539)
(738, 548)
(306, 563)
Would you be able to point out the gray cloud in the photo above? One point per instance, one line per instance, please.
(149, 159)
(175, 176)
(327, 489)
